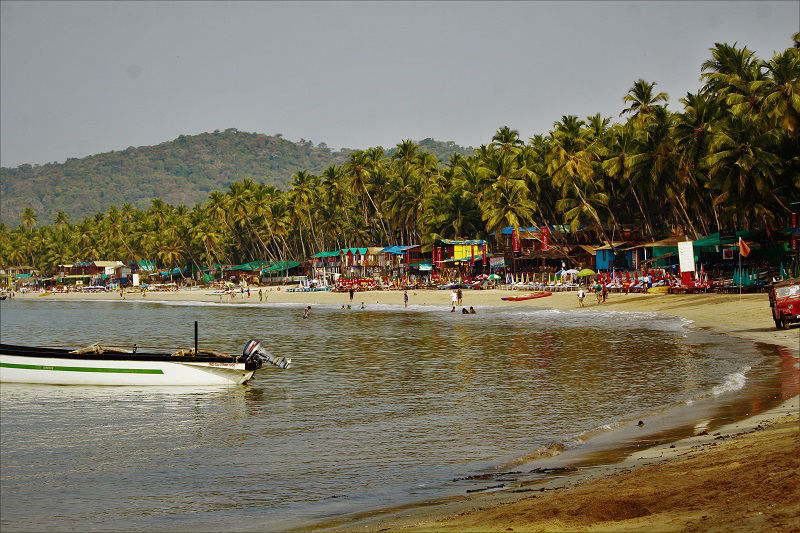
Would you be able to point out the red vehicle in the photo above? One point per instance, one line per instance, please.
(784, 298)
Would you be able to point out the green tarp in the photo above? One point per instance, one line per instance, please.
(334, 253)
(252, 265)
(715, 240)
(148, 265)
(280, 266)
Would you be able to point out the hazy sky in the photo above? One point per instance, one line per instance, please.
(78, 78)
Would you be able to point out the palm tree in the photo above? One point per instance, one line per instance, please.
(743, 168)
(642, 100)
(781, 90)
(28, 217)
(506, 140)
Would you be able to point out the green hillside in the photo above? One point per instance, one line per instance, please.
(182, 171)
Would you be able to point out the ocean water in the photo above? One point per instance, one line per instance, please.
(383, 406)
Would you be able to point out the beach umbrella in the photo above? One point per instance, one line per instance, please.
(482, 276)
(494, 276)
(586, 272)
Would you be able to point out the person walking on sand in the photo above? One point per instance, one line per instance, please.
(581, 296)
(599, 294)
(405, 298)
(460, 295)
(260, 295)
(351, 294)
(605, 293)
(454, 298)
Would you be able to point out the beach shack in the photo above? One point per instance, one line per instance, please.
(616, 255)
(327, 265)
(584, 256)
(92, 272)
(398, 259)
(663, 253)
(457, 259)
(281, 271)
(9, 274)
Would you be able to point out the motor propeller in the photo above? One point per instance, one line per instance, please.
(254, 350)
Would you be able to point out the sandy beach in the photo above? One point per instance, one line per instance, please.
(747, 317)
(741, 477)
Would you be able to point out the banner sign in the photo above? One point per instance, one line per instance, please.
(545, 239)
(483, 250)
(514, 240)
(686, 256)
(496, 262)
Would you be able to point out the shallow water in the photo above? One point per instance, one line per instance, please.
(383, 406)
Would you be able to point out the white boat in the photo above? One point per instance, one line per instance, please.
(24, 364)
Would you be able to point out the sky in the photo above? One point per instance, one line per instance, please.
(79, 78)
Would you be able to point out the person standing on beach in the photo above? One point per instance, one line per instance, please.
(581, 296)
(454, 298)
(605, 293)
(351, 295)
(460, 295)
(405, 298)
(260, 295)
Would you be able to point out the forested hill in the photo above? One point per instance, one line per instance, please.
(441, 149)
(182, 171)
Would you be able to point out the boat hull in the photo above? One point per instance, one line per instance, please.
(526, 297)
(110, 371)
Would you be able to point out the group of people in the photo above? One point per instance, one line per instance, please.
(600, 290)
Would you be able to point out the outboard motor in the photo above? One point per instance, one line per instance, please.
(255, 352)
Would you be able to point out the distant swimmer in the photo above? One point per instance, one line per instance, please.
(471, 310)
(306, 311)
(464, 311)
(363, 306)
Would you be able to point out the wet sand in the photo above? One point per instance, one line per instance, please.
(741, 477)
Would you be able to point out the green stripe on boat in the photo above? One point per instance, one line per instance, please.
(86, 369)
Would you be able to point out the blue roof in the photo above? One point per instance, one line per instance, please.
(396, 250)
(474, 241)
(508, 229)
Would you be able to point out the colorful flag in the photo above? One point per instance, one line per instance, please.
(483, 250)
(545, 239)
(514, 240)
(743, 248)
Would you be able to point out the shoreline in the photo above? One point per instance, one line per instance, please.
(746, 317)
(619, 496)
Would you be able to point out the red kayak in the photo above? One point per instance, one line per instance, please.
(529, 296)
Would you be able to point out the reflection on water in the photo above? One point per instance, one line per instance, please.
(383, 405)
